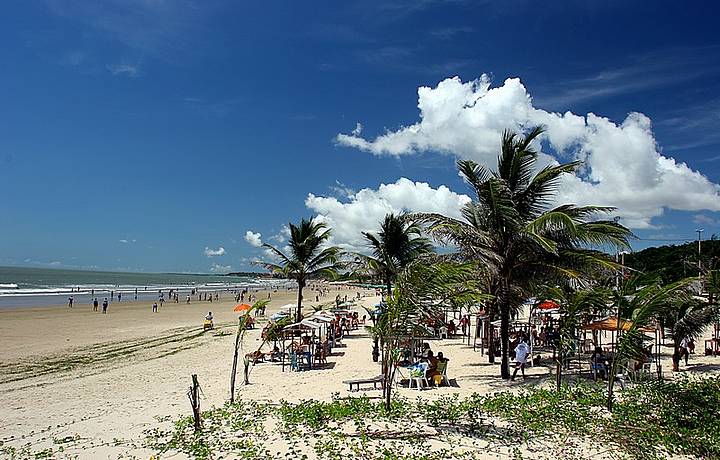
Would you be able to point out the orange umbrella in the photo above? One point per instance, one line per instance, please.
(548, 305)
(242, 308)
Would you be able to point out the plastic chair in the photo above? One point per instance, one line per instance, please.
(442, 369)
(443, 333)
(417, 375)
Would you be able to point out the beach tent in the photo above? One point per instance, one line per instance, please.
(611, 324)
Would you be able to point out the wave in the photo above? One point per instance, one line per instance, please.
(8, 286)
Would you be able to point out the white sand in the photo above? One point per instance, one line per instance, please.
(105, 397)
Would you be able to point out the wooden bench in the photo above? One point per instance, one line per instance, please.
(374, 380)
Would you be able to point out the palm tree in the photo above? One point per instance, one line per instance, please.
(642, 300)
(519, 239)
(243, 323)
(397, 244)
(308, 256)
(687, 318)
(419, 291)
(577, 306)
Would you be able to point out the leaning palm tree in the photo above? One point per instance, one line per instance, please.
(308, 256)
(512, 230)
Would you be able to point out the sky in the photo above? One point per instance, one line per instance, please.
(153, 135)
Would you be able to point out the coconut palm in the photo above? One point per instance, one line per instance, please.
(398, 243)
(520, 240)
(577, 307)
(308, 256)
(687, 318)
(419, 291)
(643, 301)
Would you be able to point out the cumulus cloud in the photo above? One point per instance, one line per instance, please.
(217, 268)
(214, 252)
(623, 165)
(253, 238)
(363, 210)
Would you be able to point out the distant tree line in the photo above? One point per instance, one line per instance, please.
(675, 262)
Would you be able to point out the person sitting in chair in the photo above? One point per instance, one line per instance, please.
(599, 362)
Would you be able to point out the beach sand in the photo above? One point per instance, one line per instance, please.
(107, 378)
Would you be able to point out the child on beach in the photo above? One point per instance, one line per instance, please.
(154, 307)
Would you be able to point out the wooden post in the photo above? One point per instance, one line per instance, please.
(194, 396)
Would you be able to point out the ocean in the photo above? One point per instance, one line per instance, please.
(31, 287)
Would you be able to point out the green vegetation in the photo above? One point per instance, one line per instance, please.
(651, 421)
(675, 262)
(518, 240)
(308, 256)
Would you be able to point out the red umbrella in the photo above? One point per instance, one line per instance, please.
(548, 305)
(242, 308)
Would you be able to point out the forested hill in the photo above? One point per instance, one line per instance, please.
(675, 262)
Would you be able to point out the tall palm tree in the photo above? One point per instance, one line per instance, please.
(308, 256)
(522, 241)
(398, 243)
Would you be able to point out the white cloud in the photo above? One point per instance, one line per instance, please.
(253, 238)
(217, 268)
(126, 241)
(214, 252)
(623, 165)
(365, 209)
(129, 70)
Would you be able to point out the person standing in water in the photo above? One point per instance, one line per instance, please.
(70, 301)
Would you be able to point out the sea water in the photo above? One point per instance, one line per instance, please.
(31, 287)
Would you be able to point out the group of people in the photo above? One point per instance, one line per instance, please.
(433, 366)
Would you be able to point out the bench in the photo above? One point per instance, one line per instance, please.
(374, 380)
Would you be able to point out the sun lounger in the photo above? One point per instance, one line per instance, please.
(357, 382)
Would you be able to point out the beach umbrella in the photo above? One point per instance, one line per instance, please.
(548, 305)
(242, 308)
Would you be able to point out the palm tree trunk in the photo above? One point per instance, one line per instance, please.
(298, 314)
(234, 366)
(676, 357)
(504, 340)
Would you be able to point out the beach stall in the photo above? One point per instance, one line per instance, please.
(303, 337)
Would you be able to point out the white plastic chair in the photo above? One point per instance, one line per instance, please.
(443, 333)
(417, 375)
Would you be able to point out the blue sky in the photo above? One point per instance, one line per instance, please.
(148, 134)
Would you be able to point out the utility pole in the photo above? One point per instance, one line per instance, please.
(699, 232)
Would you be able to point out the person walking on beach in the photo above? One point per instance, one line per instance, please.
(95, 304)
(188, 298)
(521, 352)
(154, 307)
(119, 296)
(105, 305)
(70, 301)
